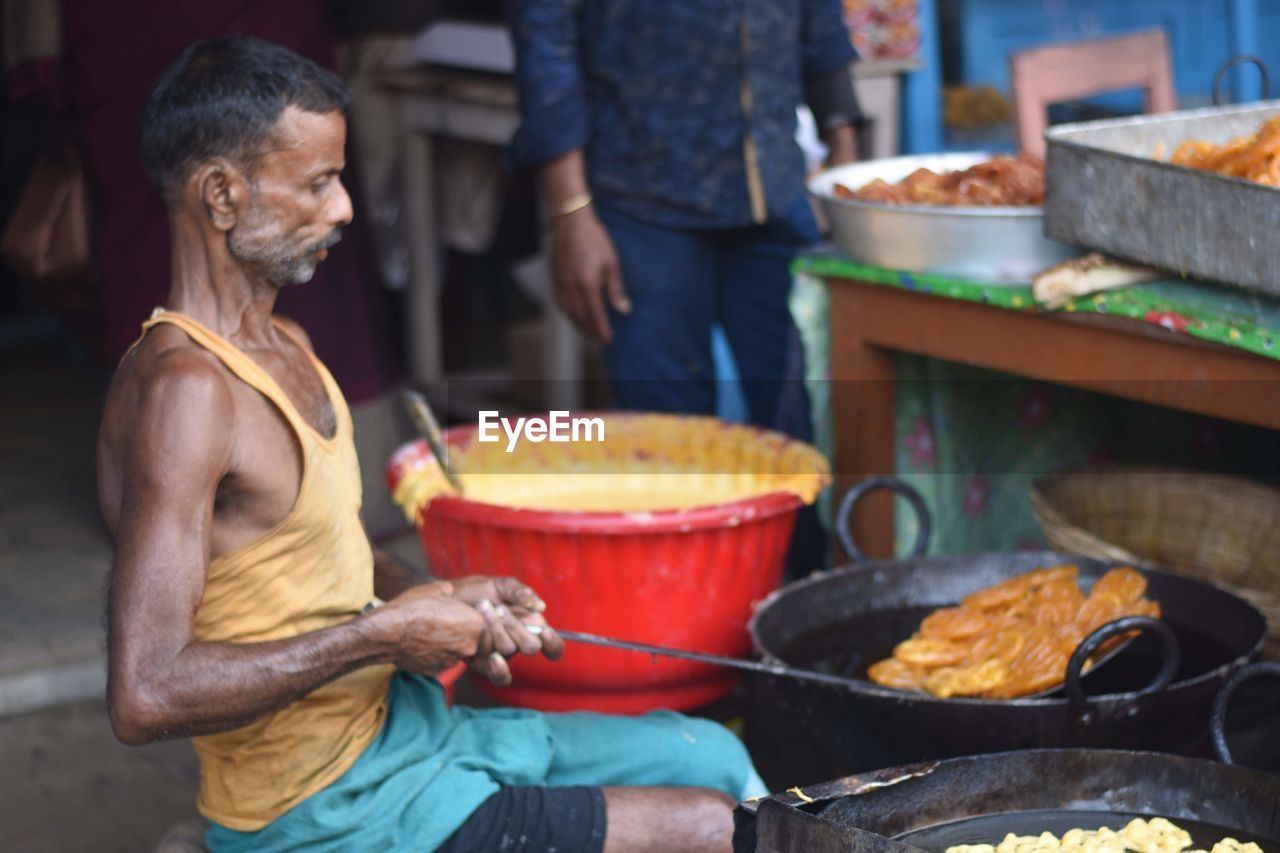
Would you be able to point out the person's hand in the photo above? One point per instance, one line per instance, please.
(508, 607)
(431, 630)
(842, 145)
(584, 265)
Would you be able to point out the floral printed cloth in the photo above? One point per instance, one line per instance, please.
(972, 440)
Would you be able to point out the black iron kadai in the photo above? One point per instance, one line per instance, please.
(846, 619)
(979, 799)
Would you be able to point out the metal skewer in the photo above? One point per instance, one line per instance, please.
(808, 674)
(717, 660)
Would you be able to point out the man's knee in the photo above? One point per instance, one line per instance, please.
(715, 757)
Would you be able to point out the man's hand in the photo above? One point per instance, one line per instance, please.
(431, 630)
(507, 606)
(480, 620)
(585, 267)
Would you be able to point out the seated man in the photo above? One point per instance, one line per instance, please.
(238, 616)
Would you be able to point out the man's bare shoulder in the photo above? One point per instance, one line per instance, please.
(169, 364)
(170, 408)
(168, 390)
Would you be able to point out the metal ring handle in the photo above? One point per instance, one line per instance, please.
(1218, 719)
(871, 484)
(1123, 625)
(1240, 59)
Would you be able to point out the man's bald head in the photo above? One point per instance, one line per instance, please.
(222, 98)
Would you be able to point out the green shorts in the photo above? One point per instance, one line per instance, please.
(431, 766)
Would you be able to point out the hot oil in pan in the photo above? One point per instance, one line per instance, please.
(847, 649)
(991, 829)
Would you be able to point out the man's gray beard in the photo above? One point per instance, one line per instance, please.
(271, 258)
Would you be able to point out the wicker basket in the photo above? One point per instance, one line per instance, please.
(1221, 529)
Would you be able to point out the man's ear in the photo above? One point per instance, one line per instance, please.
(223, 189)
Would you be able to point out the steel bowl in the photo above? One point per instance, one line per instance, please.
(989, 244)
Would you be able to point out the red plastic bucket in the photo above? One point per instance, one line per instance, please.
(449, 680)
(685, 578)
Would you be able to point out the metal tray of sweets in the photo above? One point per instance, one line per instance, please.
(1106, 190)
(999, 245)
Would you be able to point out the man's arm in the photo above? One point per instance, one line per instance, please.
(828, 84)
(584, 262)
(553, 132)
(548, 76)
(173, 450)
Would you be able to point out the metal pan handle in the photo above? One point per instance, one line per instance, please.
(1218, 719)
(1123, 625)
(1240, 59)
(845, 513)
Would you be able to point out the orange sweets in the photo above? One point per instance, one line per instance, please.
(1253, 158)
(1011, 639)
(1000, 182)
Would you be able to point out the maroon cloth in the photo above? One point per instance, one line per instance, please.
(112, 54)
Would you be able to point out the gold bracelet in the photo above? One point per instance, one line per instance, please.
(570, 205)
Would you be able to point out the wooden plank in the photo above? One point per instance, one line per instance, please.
(1148, 364)
(863, 394)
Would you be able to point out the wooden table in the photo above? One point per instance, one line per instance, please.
(1112, 355)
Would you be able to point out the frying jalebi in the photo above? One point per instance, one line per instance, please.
(1014, 638)
(1037, 667)
(999, 182)
(930, 654)
(1055, 603)
(954, 623)
(1253, 158)
(897, 674)
(1127, 586)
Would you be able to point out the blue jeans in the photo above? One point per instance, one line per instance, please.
(684, 282)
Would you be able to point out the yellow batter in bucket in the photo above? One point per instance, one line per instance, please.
(645, 463)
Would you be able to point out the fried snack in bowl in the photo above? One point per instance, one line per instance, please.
(1012, 639)
(999, 182)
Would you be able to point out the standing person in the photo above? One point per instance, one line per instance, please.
(665, 136)
(238, 607)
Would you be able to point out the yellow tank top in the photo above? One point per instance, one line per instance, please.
(312, 570)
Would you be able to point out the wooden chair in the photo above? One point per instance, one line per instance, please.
(1063, 72)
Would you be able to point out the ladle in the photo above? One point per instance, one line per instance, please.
(425, 421)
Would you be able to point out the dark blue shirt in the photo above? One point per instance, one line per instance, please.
(686, 109)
